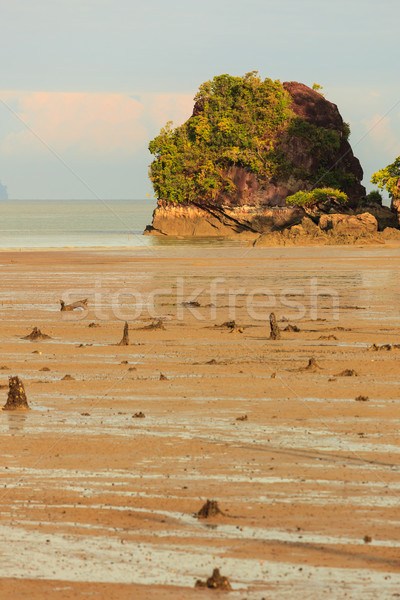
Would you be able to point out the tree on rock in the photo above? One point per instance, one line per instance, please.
(317, 196)
(389, 179)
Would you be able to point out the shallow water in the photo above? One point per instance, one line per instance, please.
(81, 224)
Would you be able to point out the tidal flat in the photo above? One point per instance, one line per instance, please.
(102, 480)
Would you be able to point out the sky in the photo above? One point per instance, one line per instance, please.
(86, 84)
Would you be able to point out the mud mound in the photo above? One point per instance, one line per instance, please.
(154, 325)
(35, 335)
(216, 582)
(362, 398)
(293, 328)
(327, 337)
(138, 415)
(68, 378)
(163, 377)
(312, 365)
(384, 347)
(209, 509)
(16, 395)
(347, 373)
(242, 418)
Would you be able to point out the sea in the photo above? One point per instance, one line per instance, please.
(37, 224)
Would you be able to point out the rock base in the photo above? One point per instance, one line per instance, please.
(332, 230)
(200, 221)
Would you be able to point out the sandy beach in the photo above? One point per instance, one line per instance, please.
(100, 502)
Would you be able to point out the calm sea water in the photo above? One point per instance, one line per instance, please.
(76, 223)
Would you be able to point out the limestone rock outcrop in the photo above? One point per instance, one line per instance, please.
(255, 202)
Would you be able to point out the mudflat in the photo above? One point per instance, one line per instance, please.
(101, 481)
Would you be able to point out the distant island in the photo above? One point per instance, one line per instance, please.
(241, 162)
(3, 192)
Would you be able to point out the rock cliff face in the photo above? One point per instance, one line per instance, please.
(256, 203)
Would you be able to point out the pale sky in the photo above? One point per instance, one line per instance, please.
(96, 79)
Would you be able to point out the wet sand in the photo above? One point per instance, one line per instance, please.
(97, 503)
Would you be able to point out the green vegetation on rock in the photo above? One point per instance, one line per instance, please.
(374, 197)
(239, 122)
(308, 199)
(389, 178)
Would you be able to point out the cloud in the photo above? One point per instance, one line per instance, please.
(89, 125)
(384, 133)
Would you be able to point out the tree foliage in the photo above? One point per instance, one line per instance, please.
(237, 121)
(308, 199)
(238, 124)
(374, 197)
(389, 178)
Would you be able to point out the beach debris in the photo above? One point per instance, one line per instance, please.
(362, 398)
(85, 414)
(209, 509)
(227, 325)
(191, 304)
(163, 377)
(275, 331)
(232, 326)
(132, 369)
(138, 415)
(242, 418)
(154, 325)
(367, 539)
(384, 347)
(328, 337)
(74, 305)
(273, 375)
(94, 324)
(124, 362)
(16, 395)
(36, 334)
(292, 328)
(125, 337)
(340, 328)
(311, 366)
(68, 378)
(216, 582)
(347, 373)
(44, 369)
(211, 362)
